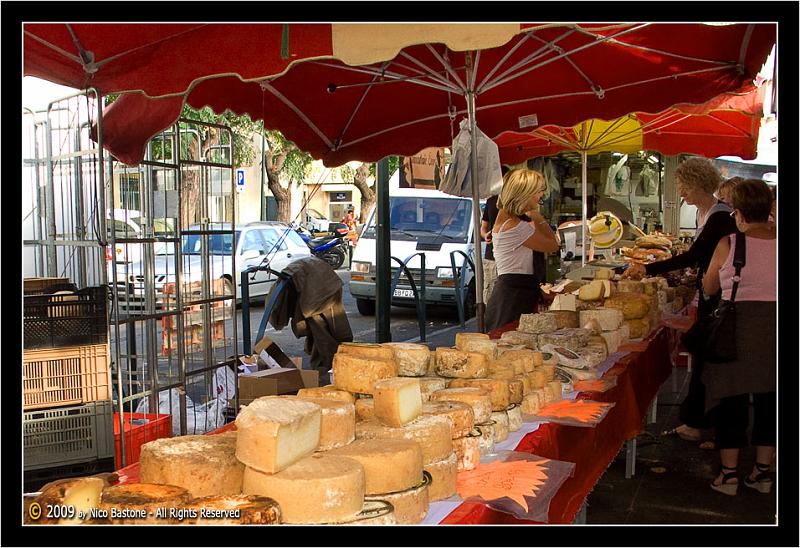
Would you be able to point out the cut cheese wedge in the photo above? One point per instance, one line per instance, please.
(338, 425)
(275, 432)
(398, 400)
(80, 494)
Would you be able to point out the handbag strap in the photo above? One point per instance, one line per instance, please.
(739, 261)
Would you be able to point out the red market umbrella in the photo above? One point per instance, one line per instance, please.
(362, 92)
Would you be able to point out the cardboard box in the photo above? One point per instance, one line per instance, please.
(276, 381)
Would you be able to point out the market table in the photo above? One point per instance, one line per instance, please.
(640, 367)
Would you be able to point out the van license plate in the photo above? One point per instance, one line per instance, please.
(404, 293)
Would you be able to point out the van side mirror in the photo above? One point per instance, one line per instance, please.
(250, 254)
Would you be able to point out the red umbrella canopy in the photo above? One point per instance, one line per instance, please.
(378, 95)
(726, 125)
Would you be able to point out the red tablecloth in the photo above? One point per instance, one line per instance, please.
(639, 376)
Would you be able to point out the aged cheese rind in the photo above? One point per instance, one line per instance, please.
(375, 512)
(412, 359)
(329, 392)
(338, 426)
(429, 385)
(460, 414)
(357, 374)
(460, 364)
(500, 370)
(637, 328)
(476, 397)
(536, 323)
(432, 432)
(523, 360)
(398, 400)
(633, 305)
(483, 346)
(554, 390)
(531, 403)
(498, 390)
(630, 286)
(564, 318)
(82, 494)
(514, 413)
(389, 464)
(613, 339)
(410, 506)
(529, 340)
(276, 432)
(143, 497)
(500, 419)
(321, 488)
(537, 378)
(568, 338)
(516, 390)
(444, 473)
(468, 452)
(252, 510)
(203, 465)
(367, 350)
(463, 337)
(526, 383)
(365, 409)
(486, 440)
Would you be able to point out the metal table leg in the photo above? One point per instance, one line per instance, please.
(630, 458)
(653, 411)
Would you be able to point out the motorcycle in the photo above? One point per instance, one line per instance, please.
(331, 249)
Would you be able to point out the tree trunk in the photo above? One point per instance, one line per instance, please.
(367, 194)
(190, 180)
(283, 196)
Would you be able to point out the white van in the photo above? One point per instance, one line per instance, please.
(426, 221)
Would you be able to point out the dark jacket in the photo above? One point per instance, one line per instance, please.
(313, 302)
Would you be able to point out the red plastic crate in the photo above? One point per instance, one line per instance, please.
(138, 432)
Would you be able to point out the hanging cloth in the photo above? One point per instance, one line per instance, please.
(458, 179)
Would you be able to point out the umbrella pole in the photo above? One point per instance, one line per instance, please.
(480, 306)
(584, 207)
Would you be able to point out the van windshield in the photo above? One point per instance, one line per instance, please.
(427, 219)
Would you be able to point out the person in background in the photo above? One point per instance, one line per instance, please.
(729, 385)
(514, 241)
(697, 179)
(352, 227)
(725, 190)
(487, 222)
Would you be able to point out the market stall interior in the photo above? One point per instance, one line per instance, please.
(404, 433)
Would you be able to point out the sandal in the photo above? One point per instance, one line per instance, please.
(762, 482)
(680, 432)
(726, 486)
(707, 445)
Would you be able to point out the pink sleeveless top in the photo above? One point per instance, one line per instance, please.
(759, 275)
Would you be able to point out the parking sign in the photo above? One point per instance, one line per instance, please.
(239, 180)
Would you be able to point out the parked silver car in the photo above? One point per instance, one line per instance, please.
(273, 243)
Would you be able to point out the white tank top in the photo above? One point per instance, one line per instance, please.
(510, 256)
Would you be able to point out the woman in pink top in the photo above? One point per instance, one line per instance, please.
(729, 385)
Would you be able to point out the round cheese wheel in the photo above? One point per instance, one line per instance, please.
(320, 488)
(460, 415)
(498, 390)
(429, 385)
(338, 425)
(462, 338)
(329, 392)
(537, 358)
(217, 510)
(430, 431)
(486, 437)
(531, 403)
(412, 359)
(633, 305)
(275, 432)
(203, 465)
(389, 464)
(526, 383)
(367, 350)
(516, 390)
(502, 370)
(375, 512)
(410, 506)
(365, 409)
(483, 346)
(443, 475)
(468, 452)
(564, 318)
(549, 371)
(478, 398)
(358, 374)
(140, 503)
(514, 417)
(537, 378)
(500, 419)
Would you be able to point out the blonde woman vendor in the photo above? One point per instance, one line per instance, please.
(514, 241)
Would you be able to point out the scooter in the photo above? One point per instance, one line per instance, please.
(330, 249)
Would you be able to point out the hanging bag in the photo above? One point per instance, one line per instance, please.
(713, 337)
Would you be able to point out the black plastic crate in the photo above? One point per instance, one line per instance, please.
(68, 435)
(34, 479)
(53, 321)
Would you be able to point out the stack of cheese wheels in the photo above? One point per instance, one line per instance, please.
(143, 503)
(338, 425)
(203, 465)
(412, 359)
(499, 391)
(329, 392)
(537, 323)
(479, 399)
(483, 346)
(500, 419)
(394, 473)
(514, 413)
(532, 402)
(443, 473)
(432, 432)
(276, 436)
(357, 366)
(219, 510)
(486, 437)
(462, 420)
(81, 494)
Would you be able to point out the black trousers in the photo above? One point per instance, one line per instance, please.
(513, 295)
(692, 410)
(732, 416)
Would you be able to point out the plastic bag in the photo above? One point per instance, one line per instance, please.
(199, 418)
(520, 484)
(224, 383)
(457, 181)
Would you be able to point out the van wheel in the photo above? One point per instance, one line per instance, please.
(469, 301)
(365, 307)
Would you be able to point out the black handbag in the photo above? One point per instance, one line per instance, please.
(713, 337)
